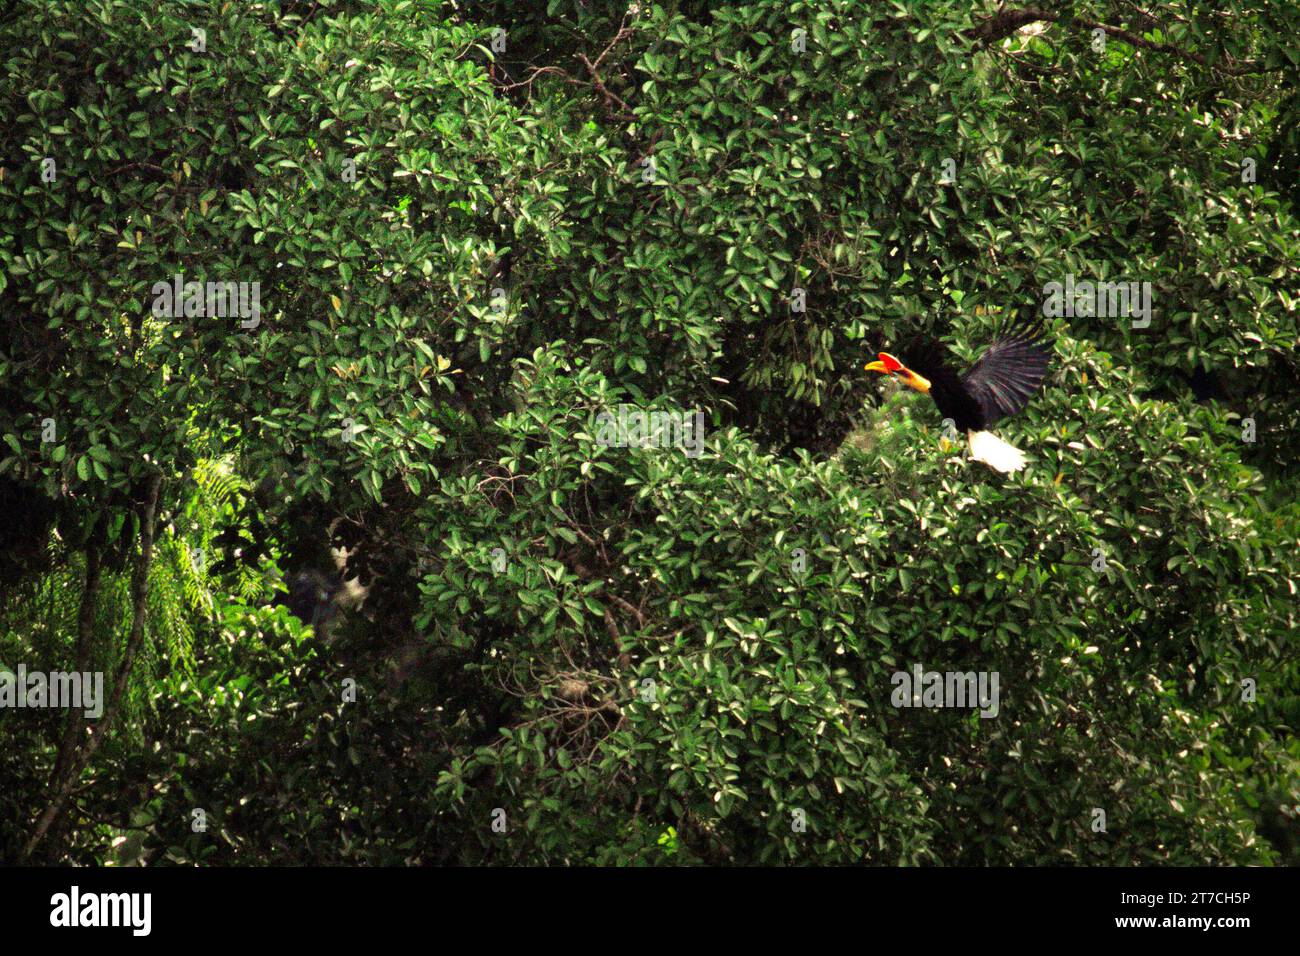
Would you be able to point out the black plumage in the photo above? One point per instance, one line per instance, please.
(1000, 383)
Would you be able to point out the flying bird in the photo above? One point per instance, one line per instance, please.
(1000, 383)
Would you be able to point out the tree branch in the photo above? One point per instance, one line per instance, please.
(1006, 22)
(85, 642)
(74, 765)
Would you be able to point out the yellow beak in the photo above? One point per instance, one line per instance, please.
(876, 367)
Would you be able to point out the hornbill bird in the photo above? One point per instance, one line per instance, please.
(1000, 383)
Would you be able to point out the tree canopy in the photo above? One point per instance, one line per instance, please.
(471, 230)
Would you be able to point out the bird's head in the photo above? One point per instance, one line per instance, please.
(887, 364)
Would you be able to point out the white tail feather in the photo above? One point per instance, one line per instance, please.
(994, 452)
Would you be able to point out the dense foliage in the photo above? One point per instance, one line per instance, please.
(475, 228)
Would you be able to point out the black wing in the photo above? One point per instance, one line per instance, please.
(1005, 377)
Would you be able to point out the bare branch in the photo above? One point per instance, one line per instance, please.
(1006, 22)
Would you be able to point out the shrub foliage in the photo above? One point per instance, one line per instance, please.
(475, 228)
